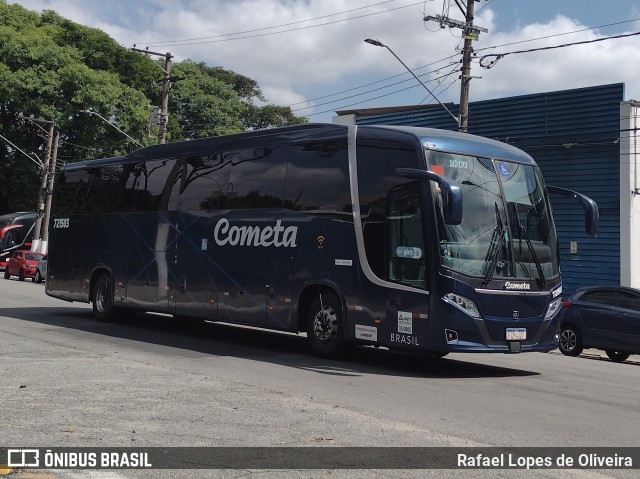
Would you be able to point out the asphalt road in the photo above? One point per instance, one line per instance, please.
(70, 381)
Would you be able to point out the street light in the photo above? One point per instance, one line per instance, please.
(378, 43)
(91, 112)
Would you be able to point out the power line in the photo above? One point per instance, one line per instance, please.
(266, 28)
(380, 81)
(375, 89)
(184, 43)
(438, 61)
(498, 56)
(558, 35)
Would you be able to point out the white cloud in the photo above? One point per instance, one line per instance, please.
(308, 63)
(608, 61)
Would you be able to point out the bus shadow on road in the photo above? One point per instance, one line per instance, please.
(198, 339)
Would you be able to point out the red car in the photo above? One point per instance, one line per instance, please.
(23, 264)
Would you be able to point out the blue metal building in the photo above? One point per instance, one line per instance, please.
(574, 135)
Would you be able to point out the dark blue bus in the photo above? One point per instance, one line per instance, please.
(408, 238)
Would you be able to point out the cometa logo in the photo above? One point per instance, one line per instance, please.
(276, 235)
(518, 286)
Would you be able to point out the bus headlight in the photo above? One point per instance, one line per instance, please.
(554, 307)
(463, 304)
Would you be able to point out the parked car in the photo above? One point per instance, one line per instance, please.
(23, 264)
(41, 270)
(601, 317)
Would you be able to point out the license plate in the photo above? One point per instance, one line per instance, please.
(516, 334)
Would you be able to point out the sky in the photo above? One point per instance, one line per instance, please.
(311, 55)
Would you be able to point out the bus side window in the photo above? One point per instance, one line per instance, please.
(205, 182)
(257, 178)
(318, 179)
(151, 185)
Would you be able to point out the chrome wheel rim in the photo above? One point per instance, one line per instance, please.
(101, 298)
(325, 325)
(568, 340)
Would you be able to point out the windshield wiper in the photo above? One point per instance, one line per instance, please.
(498, 239)
(532, 251)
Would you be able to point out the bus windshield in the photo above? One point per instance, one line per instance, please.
(506, 229)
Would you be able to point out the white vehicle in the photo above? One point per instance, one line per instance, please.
(41, 270)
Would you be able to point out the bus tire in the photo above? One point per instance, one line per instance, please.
(103, 298)
(617, 356)
(325, 326)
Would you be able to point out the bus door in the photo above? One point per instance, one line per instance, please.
(241, 267)
(279, 292)
(407, 305)
(195, 276)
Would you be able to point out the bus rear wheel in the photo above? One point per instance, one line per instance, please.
(617, 356)
(325, 326)
(103, 298)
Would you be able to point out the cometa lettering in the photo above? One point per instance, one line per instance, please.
(519, 286)
(276, 235)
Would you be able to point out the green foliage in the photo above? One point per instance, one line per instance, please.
(203, 104)
(270, 116)
(54, 69)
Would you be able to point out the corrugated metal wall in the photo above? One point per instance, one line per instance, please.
(574, 137)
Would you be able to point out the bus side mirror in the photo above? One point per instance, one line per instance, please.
(451, 194)
(591, 213)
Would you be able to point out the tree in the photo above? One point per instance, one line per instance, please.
(202, 104)
(43, 76)
(52, 68)
(211, 101)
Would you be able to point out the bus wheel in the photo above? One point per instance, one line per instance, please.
(103, 298)
(617, 356)
(325, 326)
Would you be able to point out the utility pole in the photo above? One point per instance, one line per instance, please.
(49, 194)
(469, 32)
(35, 246)
(166, 86)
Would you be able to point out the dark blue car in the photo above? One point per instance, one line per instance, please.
(601, 317)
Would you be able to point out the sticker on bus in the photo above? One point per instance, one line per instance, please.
(369, 333)
(405, 322)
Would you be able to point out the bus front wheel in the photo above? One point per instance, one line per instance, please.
(103, 298)
(325, 326)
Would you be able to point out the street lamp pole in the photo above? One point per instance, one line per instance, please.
(91, 112)
(378, 43)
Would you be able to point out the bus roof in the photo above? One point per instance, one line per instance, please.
(462, 143)
(442, 140)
